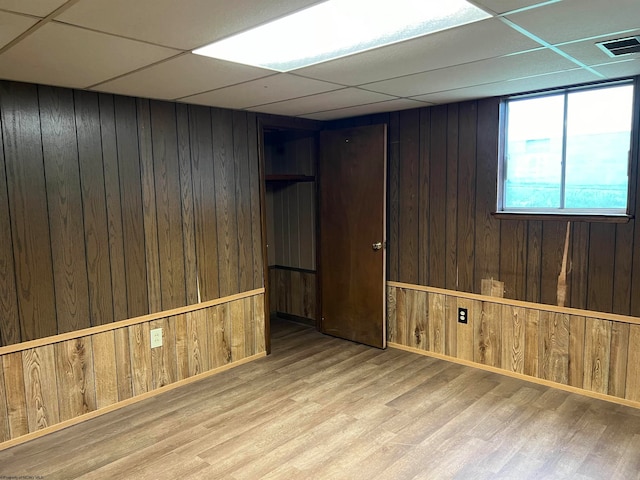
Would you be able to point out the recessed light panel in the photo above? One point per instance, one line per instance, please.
(338, 28)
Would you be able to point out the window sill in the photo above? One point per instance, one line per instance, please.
(567, 217)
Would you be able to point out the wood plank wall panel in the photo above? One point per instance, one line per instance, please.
(114, 207)
(294, 292)
(568, 349)
(464, 243)
(21, 136)
(63, 380)
(60, 151)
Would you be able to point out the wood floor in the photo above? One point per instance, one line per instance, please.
(324, 408)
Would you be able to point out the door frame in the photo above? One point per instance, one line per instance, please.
(265, 122)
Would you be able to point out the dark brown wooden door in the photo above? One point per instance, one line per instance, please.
(352, 171)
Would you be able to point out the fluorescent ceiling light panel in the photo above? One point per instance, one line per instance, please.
(338, 28)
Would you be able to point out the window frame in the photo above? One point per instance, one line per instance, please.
(615, 215)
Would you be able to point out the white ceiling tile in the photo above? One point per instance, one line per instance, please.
(40, 8)
(73, 57)
(575, 19)
(347, 97)
(12, 25)
(503, 6)
(186, 24)
(476, 41)
(558, 79)
(271, 89)
(182, 76)
(620, 68)
(388, 106)
(589, 53)
(484, 71)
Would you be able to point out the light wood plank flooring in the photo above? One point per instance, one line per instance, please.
(324, 408)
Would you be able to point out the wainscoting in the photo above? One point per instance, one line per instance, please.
(593, 353)
(293, 292)
(54, 382)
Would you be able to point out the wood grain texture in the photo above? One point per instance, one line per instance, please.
(140, 349)
(123, 363)
(513, 338)
(260, 320)
(237, 335)
(513, 258)
(198, 342)
(437, 322)
(114, 206)
(96, 225)
(534, 261)
(204, 202)
(16, 399)
(5, 432)
(632, 389)
(294, 292)
(488, 335)
(106, 377)
(220, 347)
(26, 190)
(532, 346)
(409, 188)
(182, 346)
(601, 269)
(9, 315)
(438, 227)
(553, 350)
(254, 184)
(393, 201)
(597, 354)
(60, 152)
(552, 249)
(149, 206)
(622, 269)
(132, 207)
(392, 325)
(164, 359)
(41, 396)
(227, 227)
(423, 195)
(466, 347)
(75, 377)
(577, 330)
(618, 359)
(168, 202)
(450, 140)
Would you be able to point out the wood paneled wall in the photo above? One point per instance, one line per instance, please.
(442, 193)
(293, 292)
(590, 351)
(114, 207)
(72, 375)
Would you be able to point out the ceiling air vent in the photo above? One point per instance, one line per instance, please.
(621, 46)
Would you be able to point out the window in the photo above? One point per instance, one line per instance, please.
(568, 151)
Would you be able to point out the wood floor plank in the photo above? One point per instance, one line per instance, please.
(321, 407)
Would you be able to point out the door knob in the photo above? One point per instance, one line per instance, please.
(377, 246)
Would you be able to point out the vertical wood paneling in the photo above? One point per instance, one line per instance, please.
(220, 335)
(632, 389)
(392, 326)
(204, 196)
(96, 230)
(393, 207)
(401, 316)
(133, 224)
(5, 433)
(488, 335)
(622, 269)
(149, 206)
(60, 152)
(40, 387)
(75, 377)
(436, 314)
(123, 363)
(9, 317)
(466, 194)
(104, 361)
(450, 137)
(260, 319)
(417, 319)
(601, 253)
(513, 338)
(451, 327)
(21, 135)
(198, 337)
(513, 258)
(553, 350)
(164, 358)
(577, 330)
(465, 340)
(236, 318)
(249, 328)
(531, 345)
(618, 358)
(597, 352)
(579, 264)
(487, 228)
(140, 348)
(168, 201)
(227, 227)
(16, 402)
(182, 346)
(186, 192)
(114, 206)
(423, 196)
(243, 201)
(534, 260)
(553, 240)
(409, 185)
(256, 221)
(438, 226)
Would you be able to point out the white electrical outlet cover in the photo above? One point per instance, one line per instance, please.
(156, 338)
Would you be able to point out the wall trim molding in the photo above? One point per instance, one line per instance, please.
(130, 401)
(520, 303)
(519, 376)
(18, 347)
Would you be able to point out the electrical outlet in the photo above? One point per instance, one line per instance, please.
(463, 313)
(156, 338)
